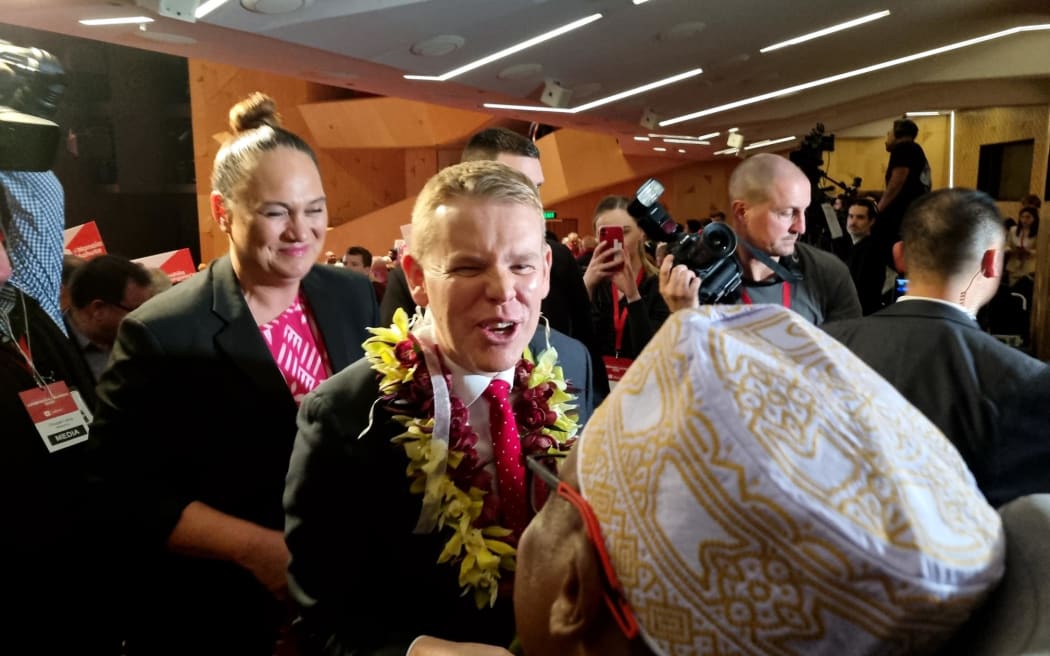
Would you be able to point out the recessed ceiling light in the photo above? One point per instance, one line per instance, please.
(922, 113)
(437, 46)
(727, 151)
(601, 101)
(733, 130)
(520, 72)
(506, 52)
(123, 20)
(854, 73)
(274, 7)
(660, 149)
(641, 138)
(827, 30)
(681, 150)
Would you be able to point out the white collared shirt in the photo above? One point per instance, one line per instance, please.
(938, 300)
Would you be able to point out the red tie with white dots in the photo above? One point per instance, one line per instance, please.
(506, 448)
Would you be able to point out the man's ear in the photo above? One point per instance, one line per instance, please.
(898, 258)
(737, 210)
(991, 266)
(577, 609)
(414, 276)
(547, 259)
(219, 213)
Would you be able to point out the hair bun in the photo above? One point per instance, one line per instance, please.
(255, 111)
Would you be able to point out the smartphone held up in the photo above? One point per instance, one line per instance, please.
(613, 236)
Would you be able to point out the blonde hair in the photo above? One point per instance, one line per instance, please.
(610, 203)
(477, 180)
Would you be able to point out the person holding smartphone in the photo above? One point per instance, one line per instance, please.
(623, 285)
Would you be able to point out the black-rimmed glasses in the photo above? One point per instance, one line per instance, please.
(542, 469)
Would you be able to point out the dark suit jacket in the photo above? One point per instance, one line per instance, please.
(958, 376)
(867, 268)
(52, 537)
(193, 407)
(366, 584)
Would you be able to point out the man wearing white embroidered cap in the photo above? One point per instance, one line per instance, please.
(750, 487)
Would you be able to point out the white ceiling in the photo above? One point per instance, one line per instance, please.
(368, 45)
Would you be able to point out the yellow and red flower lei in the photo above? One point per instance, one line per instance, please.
(543, 411)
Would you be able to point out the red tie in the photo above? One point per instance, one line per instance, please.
(506, 447)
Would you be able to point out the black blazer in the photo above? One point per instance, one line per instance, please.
(955, 374)
(53, 538)
(193, 407)
(366, 584)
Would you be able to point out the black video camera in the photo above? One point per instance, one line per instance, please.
(708, 254)
(31, 83)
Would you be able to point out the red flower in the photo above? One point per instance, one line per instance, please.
(406, 353)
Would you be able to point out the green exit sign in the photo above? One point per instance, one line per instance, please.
(550, 215)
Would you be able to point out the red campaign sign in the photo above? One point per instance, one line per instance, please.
(177, 264)
(84, 241)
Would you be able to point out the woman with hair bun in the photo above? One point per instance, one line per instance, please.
(197, 408)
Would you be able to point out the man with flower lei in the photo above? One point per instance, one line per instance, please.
(406, 491)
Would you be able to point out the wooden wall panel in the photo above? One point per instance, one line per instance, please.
(357, 182)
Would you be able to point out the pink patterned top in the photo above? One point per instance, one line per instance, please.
(297, 349)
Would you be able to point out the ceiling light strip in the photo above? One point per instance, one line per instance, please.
(850, 74)
(601, 101)
(769, 142)
(207, 7)
(124, 20)
(922, 113)
(727, 151)
(691, 142)
(506, 52)
(827, 30)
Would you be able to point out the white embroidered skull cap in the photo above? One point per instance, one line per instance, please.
(762, 491)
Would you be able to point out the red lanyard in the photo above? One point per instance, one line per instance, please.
(620, 317)
(785, 296)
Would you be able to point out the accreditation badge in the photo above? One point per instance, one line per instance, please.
(60, 419)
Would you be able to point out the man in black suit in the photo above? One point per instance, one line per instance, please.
(867, 266)
(364, 567)
(929, 346)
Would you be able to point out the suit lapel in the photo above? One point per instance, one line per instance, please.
(239, 338)
(332, 322)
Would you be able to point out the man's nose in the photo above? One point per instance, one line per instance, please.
(499, 285)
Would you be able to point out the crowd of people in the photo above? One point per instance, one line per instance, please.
(492, 442)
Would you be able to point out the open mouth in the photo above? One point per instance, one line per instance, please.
(500, 329)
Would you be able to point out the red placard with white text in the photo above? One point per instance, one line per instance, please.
(84, 241)
(177, 264)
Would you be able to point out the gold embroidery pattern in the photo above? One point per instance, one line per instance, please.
(748, 512)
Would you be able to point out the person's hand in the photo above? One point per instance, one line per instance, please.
(428, 646)
(604, 262)
(267, 560)
(679, 286)
(626, 281)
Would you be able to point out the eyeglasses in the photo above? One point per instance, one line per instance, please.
(119, 305)
(615, 598)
